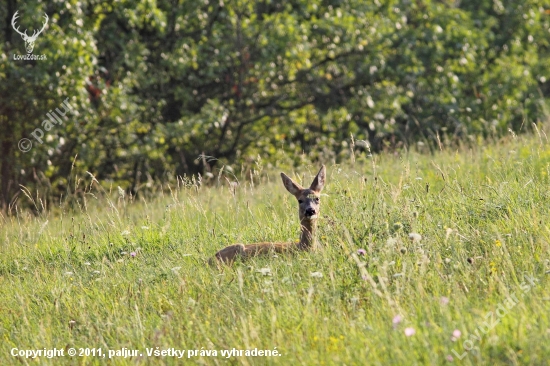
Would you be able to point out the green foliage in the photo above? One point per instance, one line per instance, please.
(156, 84)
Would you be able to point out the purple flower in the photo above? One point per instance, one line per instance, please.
(361, 252)
(397, 319)
(133, 254)
(409, 331)
(449, 358)
(456, 334)
(444, 300)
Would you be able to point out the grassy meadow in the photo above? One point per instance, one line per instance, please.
(424, 259)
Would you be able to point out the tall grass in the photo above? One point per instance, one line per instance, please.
(133, 274)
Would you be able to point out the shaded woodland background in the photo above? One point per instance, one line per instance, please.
(170, 88)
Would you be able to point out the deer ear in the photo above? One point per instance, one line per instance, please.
(319, 181)
(291, 185)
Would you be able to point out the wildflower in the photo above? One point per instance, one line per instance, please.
(444, 300)
(133, 254)
(316, 274)
(175, 269)
(397, 319)
(415, 237)
(68, 273)
(87, 263)
(125, 232)
(449, 358)
(361, 252)
(391, 242)
(498, 243)
(123, 253)
(265, 271)
(409, 332)
(145, 227)
(456, 334)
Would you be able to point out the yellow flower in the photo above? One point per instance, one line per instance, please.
(498, 243)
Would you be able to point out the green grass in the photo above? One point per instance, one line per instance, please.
(68, 280)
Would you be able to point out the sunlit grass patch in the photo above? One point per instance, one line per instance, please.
(406, 273)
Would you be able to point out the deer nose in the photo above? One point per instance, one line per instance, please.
(310, 212)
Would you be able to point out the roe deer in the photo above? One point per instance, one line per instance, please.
(308, 207)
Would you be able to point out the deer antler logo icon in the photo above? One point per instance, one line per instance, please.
(29, 40)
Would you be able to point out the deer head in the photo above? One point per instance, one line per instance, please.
(29, 40)
(308, 198)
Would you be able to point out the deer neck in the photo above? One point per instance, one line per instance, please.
(307, 237)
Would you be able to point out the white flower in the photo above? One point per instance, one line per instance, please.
(175, 269)
(415, 237)
(69, 273)
(125, 232)
(265, 271)
(87, 263)
(391, 242)
(316, 274)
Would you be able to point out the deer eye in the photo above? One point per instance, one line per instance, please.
(317, 200)
(300, 201)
